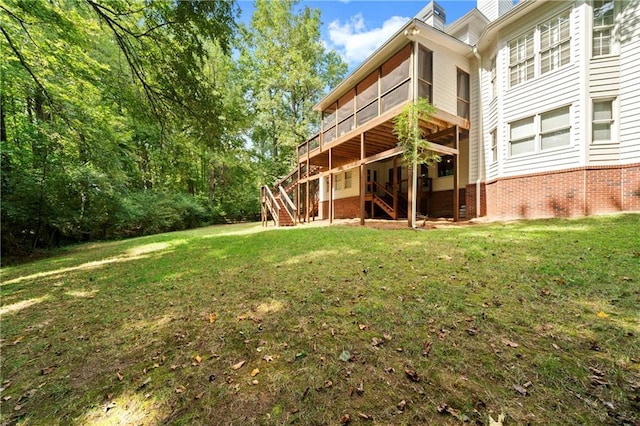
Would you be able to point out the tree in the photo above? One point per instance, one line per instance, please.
(99, 100)
(286, 69)
(415, 149)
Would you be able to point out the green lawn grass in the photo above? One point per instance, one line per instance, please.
(539, 320)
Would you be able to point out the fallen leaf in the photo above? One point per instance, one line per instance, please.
(17, 407)
(197, 359)
(364, 416)
(472, 331)
(345, 419)
(109, 406)
(328, 384)
(602, 315)
(375, 342)
(344, 356)
(180, 389)
(213, 317)
(238, 365)
(402, 405)
(47, 370)
(387, 336)
(255, 372)
(510, 343)
(556, 347)
(545, 292)
(426, 348)
(267, 358)
(522, 391)
(442, 408)
(120, 376)
(364, 326)
(496, 422)
(360, 388)
(413, 375)
(18, 340)
(254, 382)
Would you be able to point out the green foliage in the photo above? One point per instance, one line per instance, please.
(287, 69)
(109, 105)
(410, 135)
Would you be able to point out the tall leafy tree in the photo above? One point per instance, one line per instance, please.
(99, 99)
(287, 69)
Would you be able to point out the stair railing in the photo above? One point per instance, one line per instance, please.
(270, 202)
(288, 204)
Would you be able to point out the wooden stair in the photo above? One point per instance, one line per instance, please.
(284, 219)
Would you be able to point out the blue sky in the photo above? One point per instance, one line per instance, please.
(355, 28)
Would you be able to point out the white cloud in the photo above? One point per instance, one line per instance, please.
(355, 42)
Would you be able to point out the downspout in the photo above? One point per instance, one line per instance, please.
(414, 164)
(480, 168)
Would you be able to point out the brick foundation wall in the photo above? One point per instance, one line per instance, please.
(440, 203)
(344, 208)
(567, 193)
(347, 208)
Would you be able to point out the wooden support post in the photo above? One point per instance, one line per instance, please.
(330, 186)
(307, 207)
(456, 178)
(410, 186)
(297, 215)
(363, 183)
(394, 182)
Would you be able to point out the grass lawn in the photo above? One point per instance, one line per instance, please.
(539, 320)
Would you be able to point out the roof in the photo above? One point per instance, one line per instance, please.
(384, 52)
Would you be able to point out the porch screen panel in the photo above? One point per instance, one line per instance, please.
(367, 90)
(367, 113)
(395, 70)
(329, 116)
(346, 121)
(346, 126)
(396, 96)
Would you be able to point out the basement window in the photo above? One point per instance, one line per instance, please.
(445, 166)
(347, 180)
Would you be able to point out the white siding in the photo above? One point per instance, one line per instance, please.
(445, 78)
(604, 76)
(630, 83)
(554, 89)
(341, 193)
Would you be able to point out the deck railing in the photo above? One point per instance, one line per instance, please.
(271, 204)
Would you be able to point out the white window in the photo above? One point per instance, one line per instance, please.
(602, 125)
(521, 58)
(555, 127)
(463, 94)
(555, 39)
(549, 44)
(347, 180)
(494, 83)
(493, 137)
(523, 136)
(544, 131)
(603, 23)
(338, 179)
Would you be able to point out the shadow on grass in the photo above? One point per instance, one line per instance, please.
(152, 338)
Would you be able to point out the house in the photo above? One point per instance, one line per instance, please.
(537, 114)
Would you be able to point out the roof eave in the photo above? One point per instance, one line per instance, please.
(377, 58)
